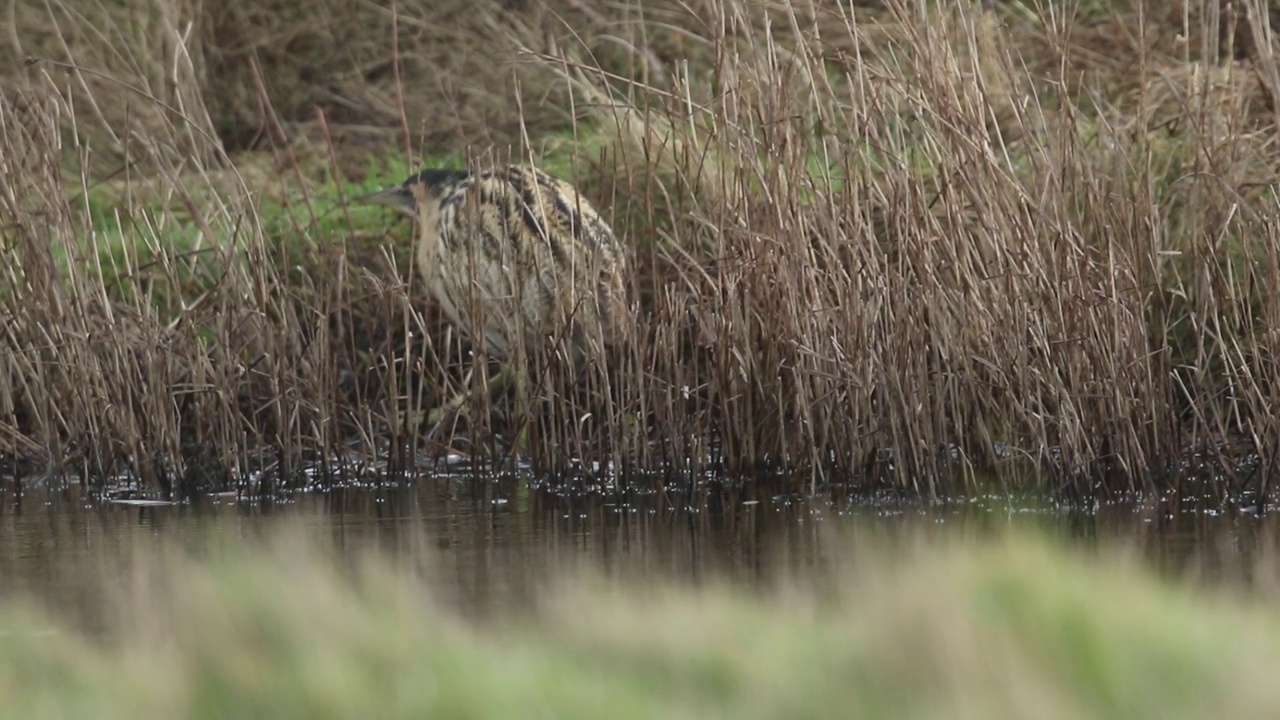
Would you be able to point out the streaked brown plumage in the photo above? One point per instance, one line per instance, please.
(518, 253)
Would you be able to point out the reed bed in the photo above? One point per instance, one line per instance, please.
(936, 249)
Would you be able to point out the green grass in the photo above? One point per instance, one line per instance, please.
(1014, 628)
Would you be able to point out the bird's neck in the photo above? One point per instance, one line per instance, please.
(429, 250)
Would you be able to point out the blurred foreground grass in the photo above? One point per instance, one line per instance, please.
(1014, 628)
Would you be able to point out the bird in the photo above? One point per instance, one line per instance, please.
(516, 258)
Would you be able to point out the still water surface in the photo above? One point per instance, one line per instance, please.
(487, 544)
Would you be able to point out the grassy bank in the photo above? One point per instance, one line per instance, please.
(904, 244)
(1012, 628)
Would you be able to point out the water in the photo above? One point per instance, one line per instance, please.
(490, 544)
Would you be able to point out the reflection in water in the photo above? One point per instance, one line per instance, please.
(488, 544)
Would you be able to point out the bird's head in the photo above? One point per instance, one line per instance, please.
(409, 196)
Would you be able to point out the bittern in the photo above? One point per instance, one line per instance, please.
(517, 256)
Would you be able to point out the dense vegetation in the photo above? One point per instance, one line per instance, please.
(1001, 630)
(899, 243)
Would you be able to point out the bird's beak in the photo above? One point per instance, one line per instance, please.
(397, 197)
